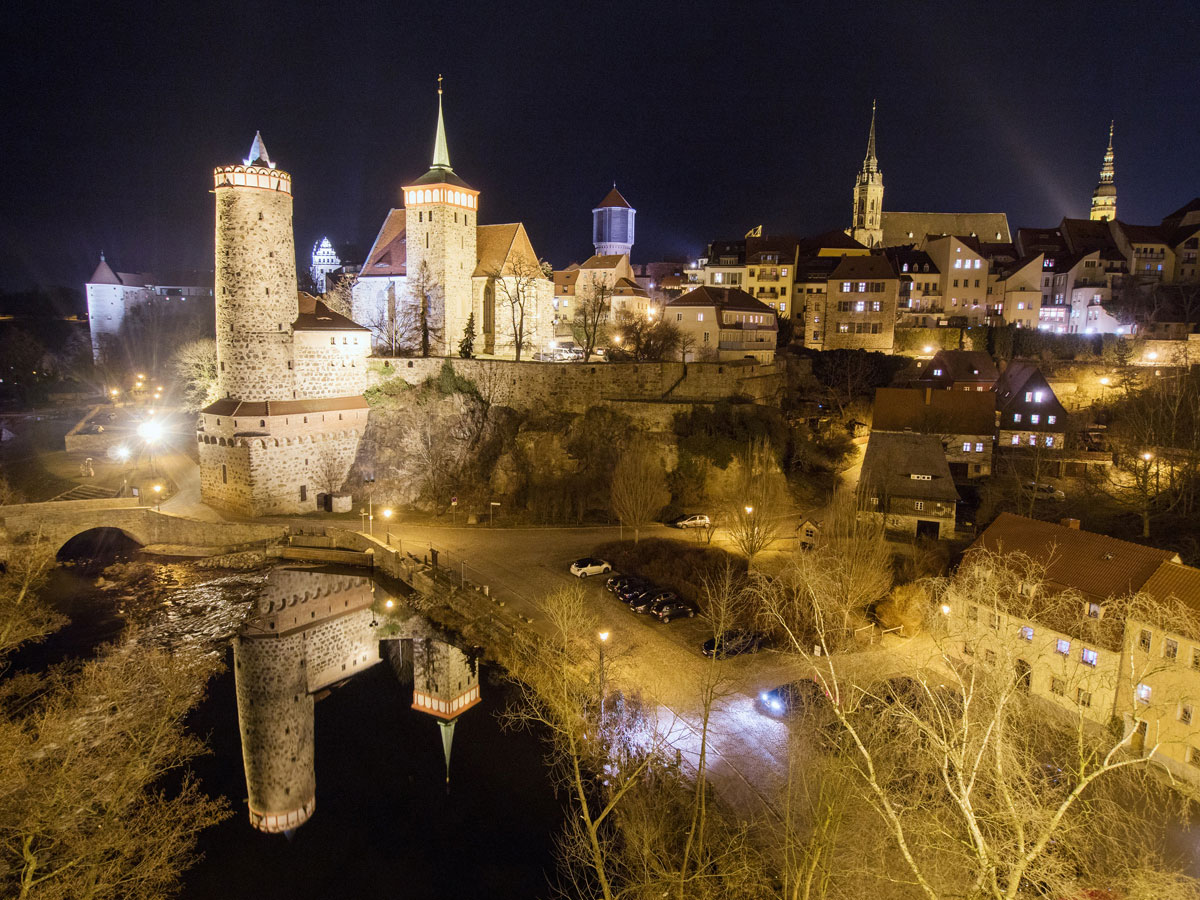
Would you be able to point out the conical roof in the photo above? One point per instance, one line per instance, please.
(441, 171)
(871, 162)
(614, 198)
(258, 153)
(104, 274)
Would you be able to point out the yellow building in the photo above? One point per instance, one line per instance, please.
(964, 276)
(722, 324)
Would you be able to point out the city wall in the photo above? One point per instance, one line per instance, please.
(574, 387)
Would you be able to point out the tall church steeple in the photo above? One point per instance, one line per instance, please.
(1104, 198)
(441, 155)
(867, 218)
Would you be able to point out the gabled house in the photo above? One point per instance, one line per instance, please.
(963, 421)
(959, 370)
(724, 324)
(1028, 414)
(906, 482)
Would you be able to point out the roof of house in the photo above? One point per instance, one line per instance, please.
(1008, 269)
(930, 411)
(610, 261)
(893, 458)
(908, 261)
(1041, 240)
(828, 240)
(316, 316)
(1143, 234)
(262, 408)
(962, 365)
(1173, 579)
(565, 281)
(1086, 235)
(905, 227)
(1012, 380)
(627, 287)
(614, 198)
(724, 299)
(104, 274)
(389, 253)
(1096, 565)
(497, 247)
(1190, 210)
(852, 267)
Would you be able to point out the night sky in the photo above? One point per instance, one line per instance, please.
(711, 119)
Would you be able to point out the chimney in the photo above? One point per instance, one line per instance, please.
(1070, 523)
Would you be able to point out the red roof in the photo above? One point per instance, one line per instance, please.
(614, 198)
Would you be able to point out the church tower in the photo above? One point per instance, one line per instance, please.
(868, 196)
(255, 286)
(1104, 198)
(441, 215)
(612, 225)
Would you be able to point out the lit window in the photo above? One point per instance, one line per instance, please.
(1083, 698)
(1093, 610)
(1021, 305)
(1170, 649)
(1033, 440)
(937, 371)
(1026, 633)
(958, 264)
(1050, 420)
(1016, 440)
(860, 305)
(1035, 418)
(1063, 646)
(1087, 657)
(1037, 396)
(979, 447)
(1049, 441)
(966, 447)
(1143, 693)
(1016, 417)
(699, 317)
(976, 266)
(1029, 396)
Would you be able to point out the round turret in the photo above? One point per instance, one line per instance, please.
(255, 287)
(612, 225)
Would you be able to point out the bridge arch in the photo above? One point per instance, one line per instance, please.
(98, 541)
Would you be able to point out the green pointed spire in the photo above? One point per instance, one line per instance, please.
(441, 156)
(871, 162)
(447, 742)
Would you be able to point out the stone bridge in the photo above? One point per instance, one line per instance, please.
(59, 521)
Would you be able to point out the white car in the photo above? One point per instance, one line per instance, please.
(589, 565)
(1043, 491)
(695, 521)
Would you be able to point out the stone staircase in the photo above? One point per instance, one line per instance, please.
(88, 492)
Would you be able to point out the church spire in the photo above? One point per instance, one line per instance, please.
(441, 156)
(1104, 198)
(871, 163)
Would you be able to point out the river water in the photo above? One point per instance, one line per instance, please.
(360, 747)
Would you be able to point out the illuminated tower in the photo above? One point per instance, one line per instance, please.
(612, 225)
(441, 215)
(868, 196)
(324, 261)
(445, 685)
(255, 284)
(1104, 198)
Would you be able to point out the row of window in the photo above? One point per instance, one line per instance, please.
(859, 306)
(1035, 418)
(966, 282)
(1016, 439)
(1170, 647)
(967, 447)
(440, 195)
(966, 264)
(859, 328)
(863, 287)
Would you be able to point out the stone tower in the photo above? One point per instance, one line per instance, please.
(324, 261)
(255, 287)
(1104, 198)
(441, 215)
(445, 685)
(868, 196)
(612, 225)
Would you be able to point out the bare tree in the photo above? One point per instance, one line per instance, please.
(516, 284)
(757, 502)
(339, 294)
(422, 320)
(983, 788)
(384, 320)
(329, 468)
(195, 365)
(593, 310)
(642, 338)
(639, 488)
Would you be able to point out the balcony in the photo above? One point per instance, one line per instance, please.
(757, 344)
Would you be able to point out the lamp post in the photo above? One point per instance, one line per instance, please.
(603, 635)
(158, 498)
(387, 521)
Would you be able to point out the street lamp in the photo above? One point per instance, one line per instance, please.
(749, 510)
(158, 498)
(945, 609)
(1147, 456)
(387, 533)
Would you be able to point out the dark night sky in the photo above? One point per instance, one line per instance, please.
(712, 119)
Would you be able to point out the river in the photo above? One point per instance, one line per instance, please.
(359, 746)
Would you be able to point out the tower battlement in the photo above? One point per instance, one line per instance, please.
(252, 176)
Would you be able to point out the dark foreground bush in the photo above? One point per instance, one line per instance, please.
(681, 566)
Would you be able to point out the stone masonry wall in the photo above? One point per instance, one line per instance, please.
(575, 387)
(331, 363)
(255, 292)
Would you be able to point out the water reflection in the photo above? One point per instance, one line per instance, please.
(309, 633)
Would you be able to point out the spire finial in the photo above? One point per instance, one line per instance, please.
(101, 256)
(441, 155)
(1111, 125)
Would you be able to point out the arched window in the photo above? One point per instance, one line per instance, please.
(428, 196)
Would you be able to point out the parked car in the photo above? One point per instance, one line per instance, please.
(676, 608)
(696, 520)
(590, 565)
(788, 697)
(634, 589)
(734, 642)
(545, 357)
(619, 583)
(1043, 491)
(644, 602)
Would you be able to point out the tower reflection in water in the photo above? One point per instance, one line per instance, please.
(308, 633)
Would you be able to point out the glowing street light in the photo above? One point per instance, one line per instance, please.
(158, 496)
(121, 453)
(945, 609)
(749, 510)
(387, 513)
(603, 635)
(1152, 355)
(390, 603)
(1104, 380)
(1147, 456)
(927, 349)
(150, 432)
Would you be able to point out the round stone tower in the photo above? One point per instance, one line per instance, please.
(275, 716)
(612, 225)
(255, 286)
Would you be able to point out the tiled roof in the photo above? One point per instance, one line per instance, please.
(907, 227)
(1173, 579)
(263, 408)
(627, 287)
(614, 198)
(1096, 565)
(936, 412)
(316, 316)
(1188, 210)
(389, 253)
(610, 261)
(496, 246)
(1143, 234)
(104, 274)
(723, 298)
(854, 267)
(893, 458)
(829, 240)
(1085, 235)
(961, 365)
(565, 281)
